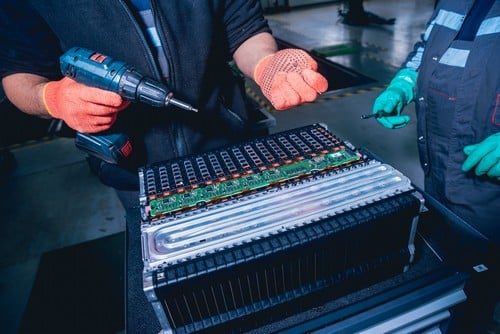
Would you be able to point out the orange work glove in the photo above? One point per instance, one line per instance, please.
(85, 109)
(289, 77)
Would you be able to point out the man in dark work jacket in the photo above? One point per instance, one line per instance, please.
(197, 39)
(189, 49)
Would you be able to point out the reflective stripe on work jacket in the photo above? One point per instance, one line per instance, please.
(457, 101)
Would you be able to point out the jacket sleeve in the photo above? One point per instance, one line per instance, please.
(414, 59)
(28, 45)
(243, 19)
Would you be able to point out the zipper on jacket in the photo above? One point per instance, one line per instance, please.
(163, 41)
(144, 41)
(178, 146)
(178, 137)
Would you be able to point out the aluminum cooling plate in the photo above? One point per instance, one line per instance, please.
(259, 215)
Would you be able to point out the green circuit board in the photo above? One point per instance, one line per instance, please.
(246, 183)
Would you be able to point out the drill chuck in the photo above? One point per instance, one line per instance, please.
(156, 94)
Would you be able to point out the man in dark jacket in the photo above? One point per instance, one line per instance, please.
(184, 44)
(453, 77)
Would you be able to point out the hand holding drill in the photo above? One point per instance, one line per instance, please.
(85, 109)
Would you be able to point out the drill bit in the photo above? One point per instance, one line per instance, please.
(180, 104)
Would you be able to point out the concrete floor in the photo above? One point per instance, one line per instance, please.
(51, 200)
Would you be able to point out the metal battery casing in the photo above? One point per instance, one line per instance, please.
(193, 249)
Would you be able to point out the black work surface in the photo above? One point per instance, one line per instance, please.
(141, 318)
(79, 289)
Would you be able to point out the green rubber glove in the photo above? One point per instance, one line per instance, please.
(394, 98)
(484, 157)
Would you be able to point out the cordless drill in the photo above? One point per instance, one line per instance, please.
(97, 70)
